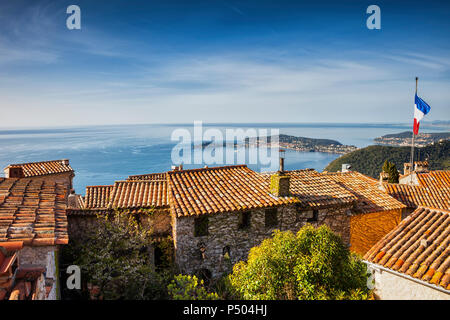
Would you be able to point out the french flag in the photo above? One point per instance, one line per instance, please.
(421, 108)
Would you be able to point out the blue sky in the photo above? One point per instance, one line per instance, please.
(221, 61)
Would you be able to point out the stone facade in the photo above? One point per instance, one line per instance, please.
(44, 256)
(80, 226)
(209, 253)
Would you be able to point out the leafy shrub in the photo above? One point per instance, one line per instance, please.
(185, 287)
(313, 264)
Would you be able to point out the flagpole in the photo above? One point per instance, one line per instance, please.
(412, 141)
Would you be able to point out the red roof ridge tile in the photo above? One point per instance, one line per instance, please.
(207, 169)
(34, 162)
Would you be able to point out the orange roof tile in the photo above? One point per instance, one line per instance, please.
(33, 211)
(314, 189)
(219, 189)
(33, 169)
(433, 190)
(139, 194)
(370, 198)
(98, 197)
(419, 247)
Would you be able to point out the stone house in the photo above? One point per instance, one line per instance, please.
(58, 171)
(218, 214)
(412, 262)
(147, 199)
(215, 215)
(33, 212)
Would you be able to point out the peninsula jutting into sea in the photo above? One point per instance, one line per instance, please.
(303, 144)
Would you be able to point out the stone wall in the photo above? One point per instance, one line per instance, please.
(193, 254)
(80, 226)
(159, 222)
(42, 256)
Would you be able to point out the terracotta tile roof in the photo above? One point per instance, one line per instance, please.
(149, 176)
(33, 211)
(33, 169)
(433, 191)
(434, 179)
(98, 197)
(370, 197)
(219, 189)
(418, 247)
(314, 189)
(20, 284)
(139, 194)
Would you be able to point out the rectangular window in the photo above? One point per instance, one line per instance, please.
(201, 226)
(315, 216)
(271, 218)
(244, 220)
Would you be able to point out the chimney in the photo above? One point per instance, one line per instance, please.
(13, 172)
(421, 166)
(384, 177)
(346, 167)
(282, 155)
(65, 162)
(406, 168)
(280, 182)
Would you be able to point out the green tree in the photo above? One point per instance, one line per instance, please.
(116, 259)
(185, 287)
(369, 160)
(312, 264)
(391, 169)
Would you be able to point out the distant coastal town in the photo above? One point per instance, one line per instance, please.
(404, 139)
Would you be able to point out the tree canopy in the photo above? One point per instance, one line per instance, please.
(116, 260)
(391, 170)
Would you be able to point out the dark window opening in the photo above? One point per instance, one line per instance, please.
(315, 216)
(158, 257)
(201, 226)
(244, 220)
(271, 218)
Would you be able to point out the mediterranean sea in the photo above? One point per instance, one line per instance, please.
(103, 154)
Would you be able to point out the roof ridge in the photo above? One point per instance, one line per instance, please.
(100, 185)
(209, 169)
(34, 162)
(138, 181)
